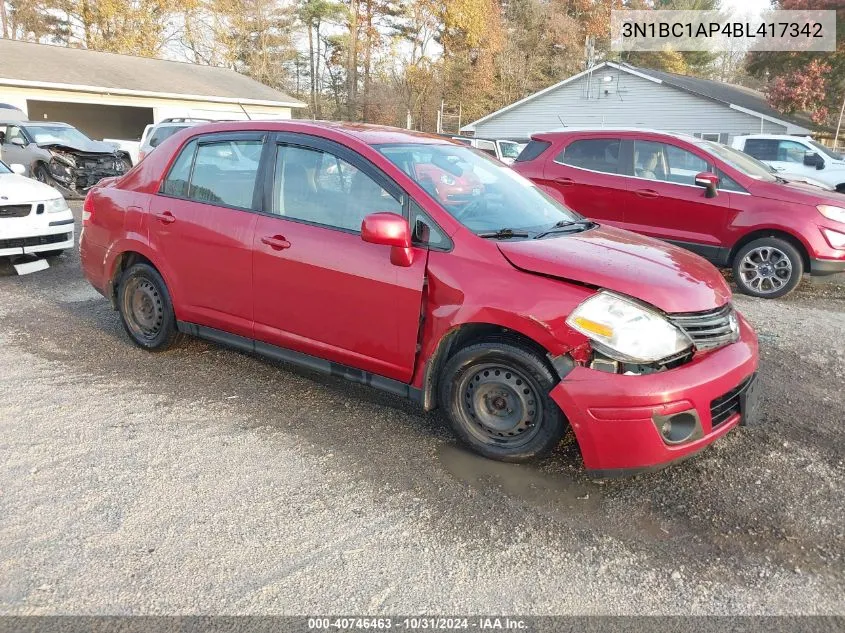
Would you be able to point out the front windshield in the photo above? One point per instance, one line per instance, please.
(4, 169)
(49, 134)
(826, 150)
(739, 160)
(478, 191)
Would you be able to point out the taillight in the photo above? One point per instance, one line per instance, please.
(87, 208)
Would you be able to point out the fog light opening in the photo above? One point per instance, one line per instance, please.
(679, 427)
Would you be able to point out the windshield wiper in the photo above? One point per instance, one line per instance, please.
(502, 234)
(564, 225)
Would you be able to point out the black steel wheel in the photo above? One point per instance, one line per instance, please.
(42, 174)
(496, 394)
(145, 308)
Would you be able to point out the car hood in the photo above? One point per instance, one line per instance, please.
(15, 189)
(794, 191)
(93, 147)
(666, 276)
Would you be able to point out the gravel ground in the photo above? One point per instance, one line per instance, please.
(203, 480)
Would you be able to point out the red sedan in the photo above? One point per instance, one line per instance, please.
(320, 245)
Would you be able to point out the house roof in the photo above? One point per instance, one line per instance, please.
(28, 64)
(737, 97)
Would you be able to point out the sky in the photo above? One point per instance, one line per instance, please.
(747, 6)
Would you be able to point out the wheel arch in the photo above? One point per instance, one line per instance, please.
(776, 233)
(130, 255)
(463, 335)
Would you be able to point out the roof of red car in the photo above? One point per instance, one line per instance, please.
(370, 134)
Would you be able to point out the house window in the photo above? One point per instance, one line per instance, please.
(710, 136)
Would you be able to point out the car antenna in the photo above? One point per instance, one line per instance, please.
(248, 118)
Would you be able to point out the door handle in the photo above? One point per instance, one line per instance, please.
(276, 242)
(647, 193)
(565, 181)
(165, 217)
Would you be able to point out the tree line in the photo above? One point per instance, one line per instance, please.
(396, 61)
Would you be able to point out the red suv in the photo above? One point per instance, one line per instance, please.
(320, 245)
(711, 199)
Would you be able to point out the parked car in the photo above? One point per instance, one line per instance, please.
(59, 155)
(501, 149)
(515, 315)
(796, 155)
(155, 133)
(34, 218)
(704, 196)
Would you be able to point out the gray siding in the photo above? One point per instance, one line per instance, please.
(626, 100)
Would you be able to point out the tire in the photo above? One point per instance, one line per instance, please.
(768, 268)
(496, 395)
(42, 174)
(146, 310)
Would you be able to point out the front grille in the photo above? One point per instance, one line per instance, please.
(709, 330)
(15, 210)
(41, 240)
(723, 407)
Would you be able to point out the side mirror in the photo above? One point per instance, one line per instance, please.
(812, 159)
(18, 169)
(18, 141)
(389, 229)
(710, 182)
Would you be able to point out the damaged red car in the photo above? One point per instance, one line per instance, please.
(321, 245)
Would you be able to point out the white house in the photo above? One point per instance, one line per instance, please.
(617, 94)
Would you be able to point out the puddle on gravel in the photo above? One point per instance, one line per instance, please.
(522, 482)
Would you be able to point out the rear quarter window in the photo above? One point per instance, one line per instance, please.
(533, 150)
(595, 154)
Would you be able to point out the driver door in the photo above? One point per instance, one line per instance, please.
(319, 288)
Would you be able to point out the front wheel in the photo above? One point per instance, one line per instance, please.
(768, 268)
(496, 395)
(146, 310)
(42, 174)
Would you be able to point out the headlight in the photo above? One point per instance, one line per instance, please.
(627, 331)
(832, 213)
(56, 205)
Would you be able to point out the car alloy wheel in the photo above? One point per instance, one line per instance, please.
(765, 269)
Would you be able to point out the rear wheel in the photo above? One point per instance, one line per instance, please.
(768, 267)
(496, 395)
(146, 310)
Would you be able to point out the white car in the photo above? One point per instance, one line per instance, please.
(796, 157)
(34, 217)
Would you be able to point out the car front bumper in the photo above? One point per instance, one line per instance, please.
(616, 418)
(36, 233)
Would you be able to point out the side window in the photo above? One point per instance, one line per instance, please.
(178, 179)
(225, 171)
(320, 187)
(660, 161)
(684, 165)
(426, 231)
(761, 148)
(726, 183)
(600, 154)
(14, 133)
(791, 152)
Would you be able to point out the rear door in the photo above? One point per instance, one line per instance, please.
(588, 175)
(664, 201)
(202, 223)
(320, 289)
